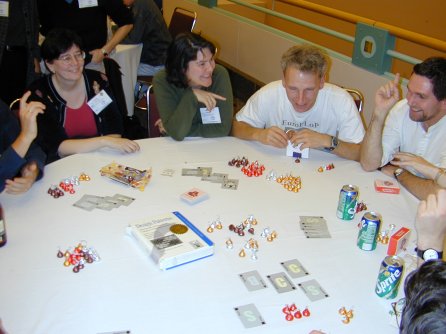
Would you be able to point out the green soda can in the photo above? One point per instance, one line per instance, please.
(348, 196)
(389, 277)
(368, 231)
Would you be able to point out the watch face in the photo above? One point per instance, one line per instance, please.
(430, 254)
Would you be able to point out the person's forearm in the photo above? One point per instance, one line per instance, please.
(417, 186)
(118, 36)
(347, 150)
(244, 131)
(371, 148)
(73, 146)
(21, 145)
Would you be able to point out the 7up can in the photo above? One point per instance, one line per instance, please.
(348, 197)
(389, 277)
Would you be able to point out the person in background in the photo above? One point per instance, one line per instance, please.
(89, 20)
(21, 162)
(149, 29)
(19, 49)
(415, 126)
(193, 94)
(302, 109)
(81, 114)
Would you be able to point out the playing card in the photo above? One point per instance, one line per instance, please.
(88, 206)
(194, 196)
(313, 290)
(249, 315)
(281, 282)
(230, 184)
(190, 172)
(215, 177)
(125, 200)
(168, 172)
(252, 280)
(117, 203)
(205, 171)
(294, 268)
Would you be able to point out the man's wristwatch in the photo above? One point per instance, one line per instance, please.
(334, 144)
(104, 52)
(398, 172)
(429, 254)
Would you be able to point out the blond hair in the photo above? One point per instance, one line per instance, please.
(306, 58)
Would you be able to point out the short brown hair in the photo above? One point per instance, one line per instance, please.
(305, 58)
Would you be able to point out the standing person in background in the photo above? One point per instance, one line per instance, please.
(89, 20)
(149, 29)
(19, 49)
(193, 94)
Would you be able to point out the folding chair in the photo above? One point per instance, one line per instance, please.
(152, 114)
(357, 97)
(182, 20)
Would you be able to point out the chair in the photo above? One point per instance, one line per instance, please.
(182, 20)
(152, 114)
(357, 97)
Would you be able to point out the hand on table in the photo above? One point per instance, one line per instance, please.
(207, 98)
(22, 184)
(273, 136)
(121, 144)
(309, 138)
(404, 160)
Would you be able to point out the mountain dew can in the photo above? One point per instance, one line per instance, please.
(389, 277)
(348, 197)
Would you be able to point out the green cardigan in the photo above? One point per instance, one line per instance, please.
(179, 108)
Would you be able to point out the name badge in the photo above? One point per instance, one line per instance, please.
(210, 117)
(4, 8)
(99, 102)
(88, 3)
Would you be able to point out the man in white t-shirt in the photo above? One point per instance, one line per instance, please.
(302, 109)
(410, 134)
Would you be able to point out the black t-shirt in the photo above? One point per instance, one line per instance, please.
(89, 23)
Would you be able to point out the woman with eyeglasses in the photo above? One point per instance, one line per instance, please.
(193, 94)
(81, 114)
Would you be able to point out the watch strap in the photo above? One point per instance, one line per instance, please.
(420, 253)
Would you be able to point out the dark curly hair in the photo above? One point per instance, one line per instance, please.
(434, 68)
(425, 291)
(183, 49)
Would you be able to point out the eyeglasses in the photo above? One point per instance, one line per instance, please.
(68, 58)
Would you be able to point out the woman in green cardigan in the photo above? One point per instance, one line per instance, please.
(193, 94)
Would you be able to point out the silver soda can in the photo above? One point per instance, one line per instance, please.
(348, 197)
(389, 277)
(368, 231)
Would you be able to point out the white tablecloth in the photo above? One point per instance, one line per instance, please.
(128, 56)
(126, 291)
